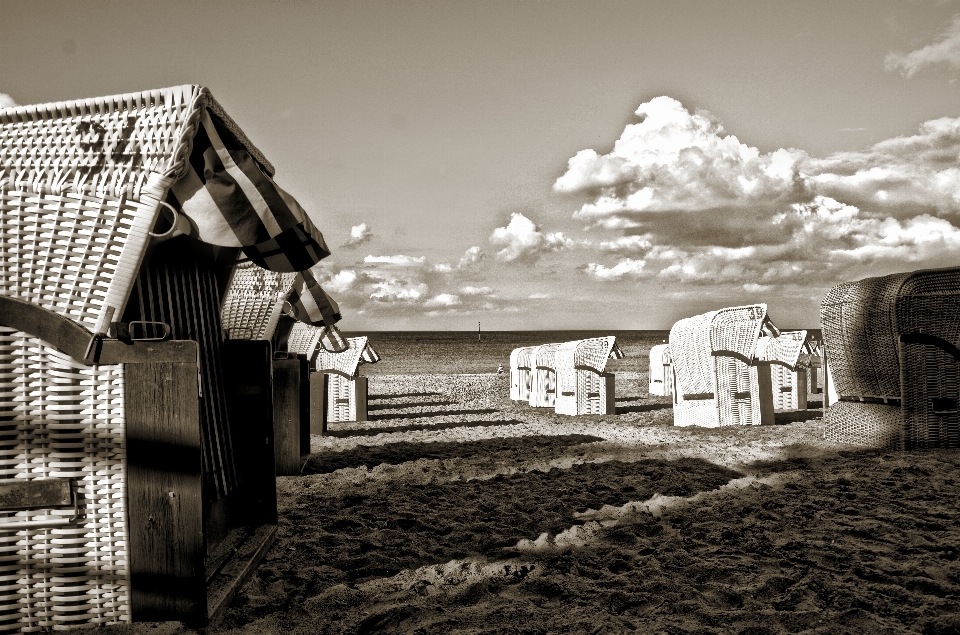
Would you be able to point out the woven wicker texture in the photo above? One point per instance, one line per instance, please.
(862, 325)
(715, 390)
(871, 424)
(254, 302)
(661, 371)
(62, 420)
(543, 391)
(303, 339)
(80, 184)
(341, 398)
(520, 373)
(358, 352)
(581, 388)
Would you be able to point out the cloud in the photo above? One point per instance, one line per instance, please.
(476, 290)
(6, 101)
(699, 207)
(443, 300)
(946, 50)
(359, 234)
(522, 241)
(673, 162)
(399, 260)
(470, 256)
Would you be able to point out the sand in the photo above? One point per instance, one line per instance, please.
(455, 510)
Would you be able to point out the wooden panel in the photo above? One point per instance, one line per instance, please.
(360, 397)
(304, 405)
(318, 404)
(116, 352)
(800, 387)
(164, 492)
(765, 396)
(35, 494)
(54, 329)
(248, 377)
(610, 390)
(286, 416)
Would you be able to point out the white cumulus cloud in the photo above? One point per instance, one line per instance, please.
(523, 241)
(359, 234)
(470, 256)
(468, 290)
(946, 50)
(400, 260)
(6, 101)
(443, 300)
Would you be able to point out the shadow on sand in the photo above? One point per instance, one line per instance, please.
(435, 413)
(370, 432)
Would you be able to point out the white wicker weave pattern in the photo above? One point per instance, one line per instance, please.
(303, 339)
(349, 360)
(254, 302)
(62, 420)
(543, 391)
(520, 373)
(580, 365)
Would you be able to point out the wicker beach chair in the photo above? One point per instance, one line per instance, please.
(345, 388)
(583, 386)
(722, 369)
(543, 382)
(788, 368)
(121, 402)
(254, 302)
(890, 345)
(661, 371)
(520, 373)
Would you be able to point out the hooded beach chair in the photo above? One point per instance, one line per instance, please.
(890, 345)
(788, 369)
(345, 389)
(582, 385)
(543, 376)
(661, 371)
(721, 364)
(520, 373)
(139, 474)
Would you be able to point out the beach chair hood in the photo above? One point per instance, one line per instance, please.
(134, 168)
(346, 363)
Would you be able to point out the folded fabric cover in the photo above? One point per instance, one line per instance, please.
(230, 201)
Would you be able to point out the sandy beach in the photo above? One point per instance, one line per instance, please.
(455, 510)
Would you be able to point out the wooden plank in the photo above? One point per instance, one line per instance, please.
(116, 352)
(164, 492)
(318, 403)
(35, 494)
(765, 384)
(800, 388)
(62, 333)
(248, 384)
(360, 395)
(238, 568)
(304, 405)
(286, 416)
(610, 391)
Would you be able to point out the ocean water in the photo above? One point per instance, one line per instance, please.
(455, 352)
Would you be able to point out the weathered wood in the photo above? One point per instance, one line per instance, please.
(164, 492)
(318, 403)
(286, 416)
(116, 352)
(360, 396)
(610, 391)
(247, 368)
(304, 405)
(62, 333)
(35, 494)
(238, 568)
(800, 387)
(765, 385)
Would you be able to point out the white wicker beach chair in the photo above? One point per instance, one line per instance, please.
(254, 302)
(788, 368)
(661, 371)
(583, 386)
(543, 391)
(720, 380)
(93, 196)
(346, 390)
(520, 375)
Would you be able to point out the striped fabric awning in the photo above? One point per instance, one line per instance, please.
(230, 201)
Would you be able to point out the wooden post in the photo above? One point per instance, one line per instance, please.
(318, 404)
(360, 396)
(800, 388)
(304, 405)
(765, 384)
(165, 492)
(286, 416)
(610, 389)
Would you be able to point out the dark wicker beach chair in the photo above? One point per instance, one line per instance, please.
(891, 352)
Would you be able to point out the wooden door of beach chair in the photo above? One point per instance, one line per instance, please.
(891, 348)
(114, 384)
(660, 380)
(583, 386)
(520, 373)
(543, 392)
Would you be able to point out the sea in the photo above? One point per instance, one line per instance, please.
(459, 352)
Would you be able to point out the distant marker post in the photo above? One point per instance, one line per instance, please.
(478, 331)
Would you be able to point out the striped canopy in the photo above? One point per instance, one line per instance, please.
(230, 201)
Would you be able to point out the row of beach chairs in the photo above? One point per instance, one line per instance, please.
(569, 377)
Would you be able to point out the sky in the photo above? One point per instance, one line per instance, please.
(535, 165)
